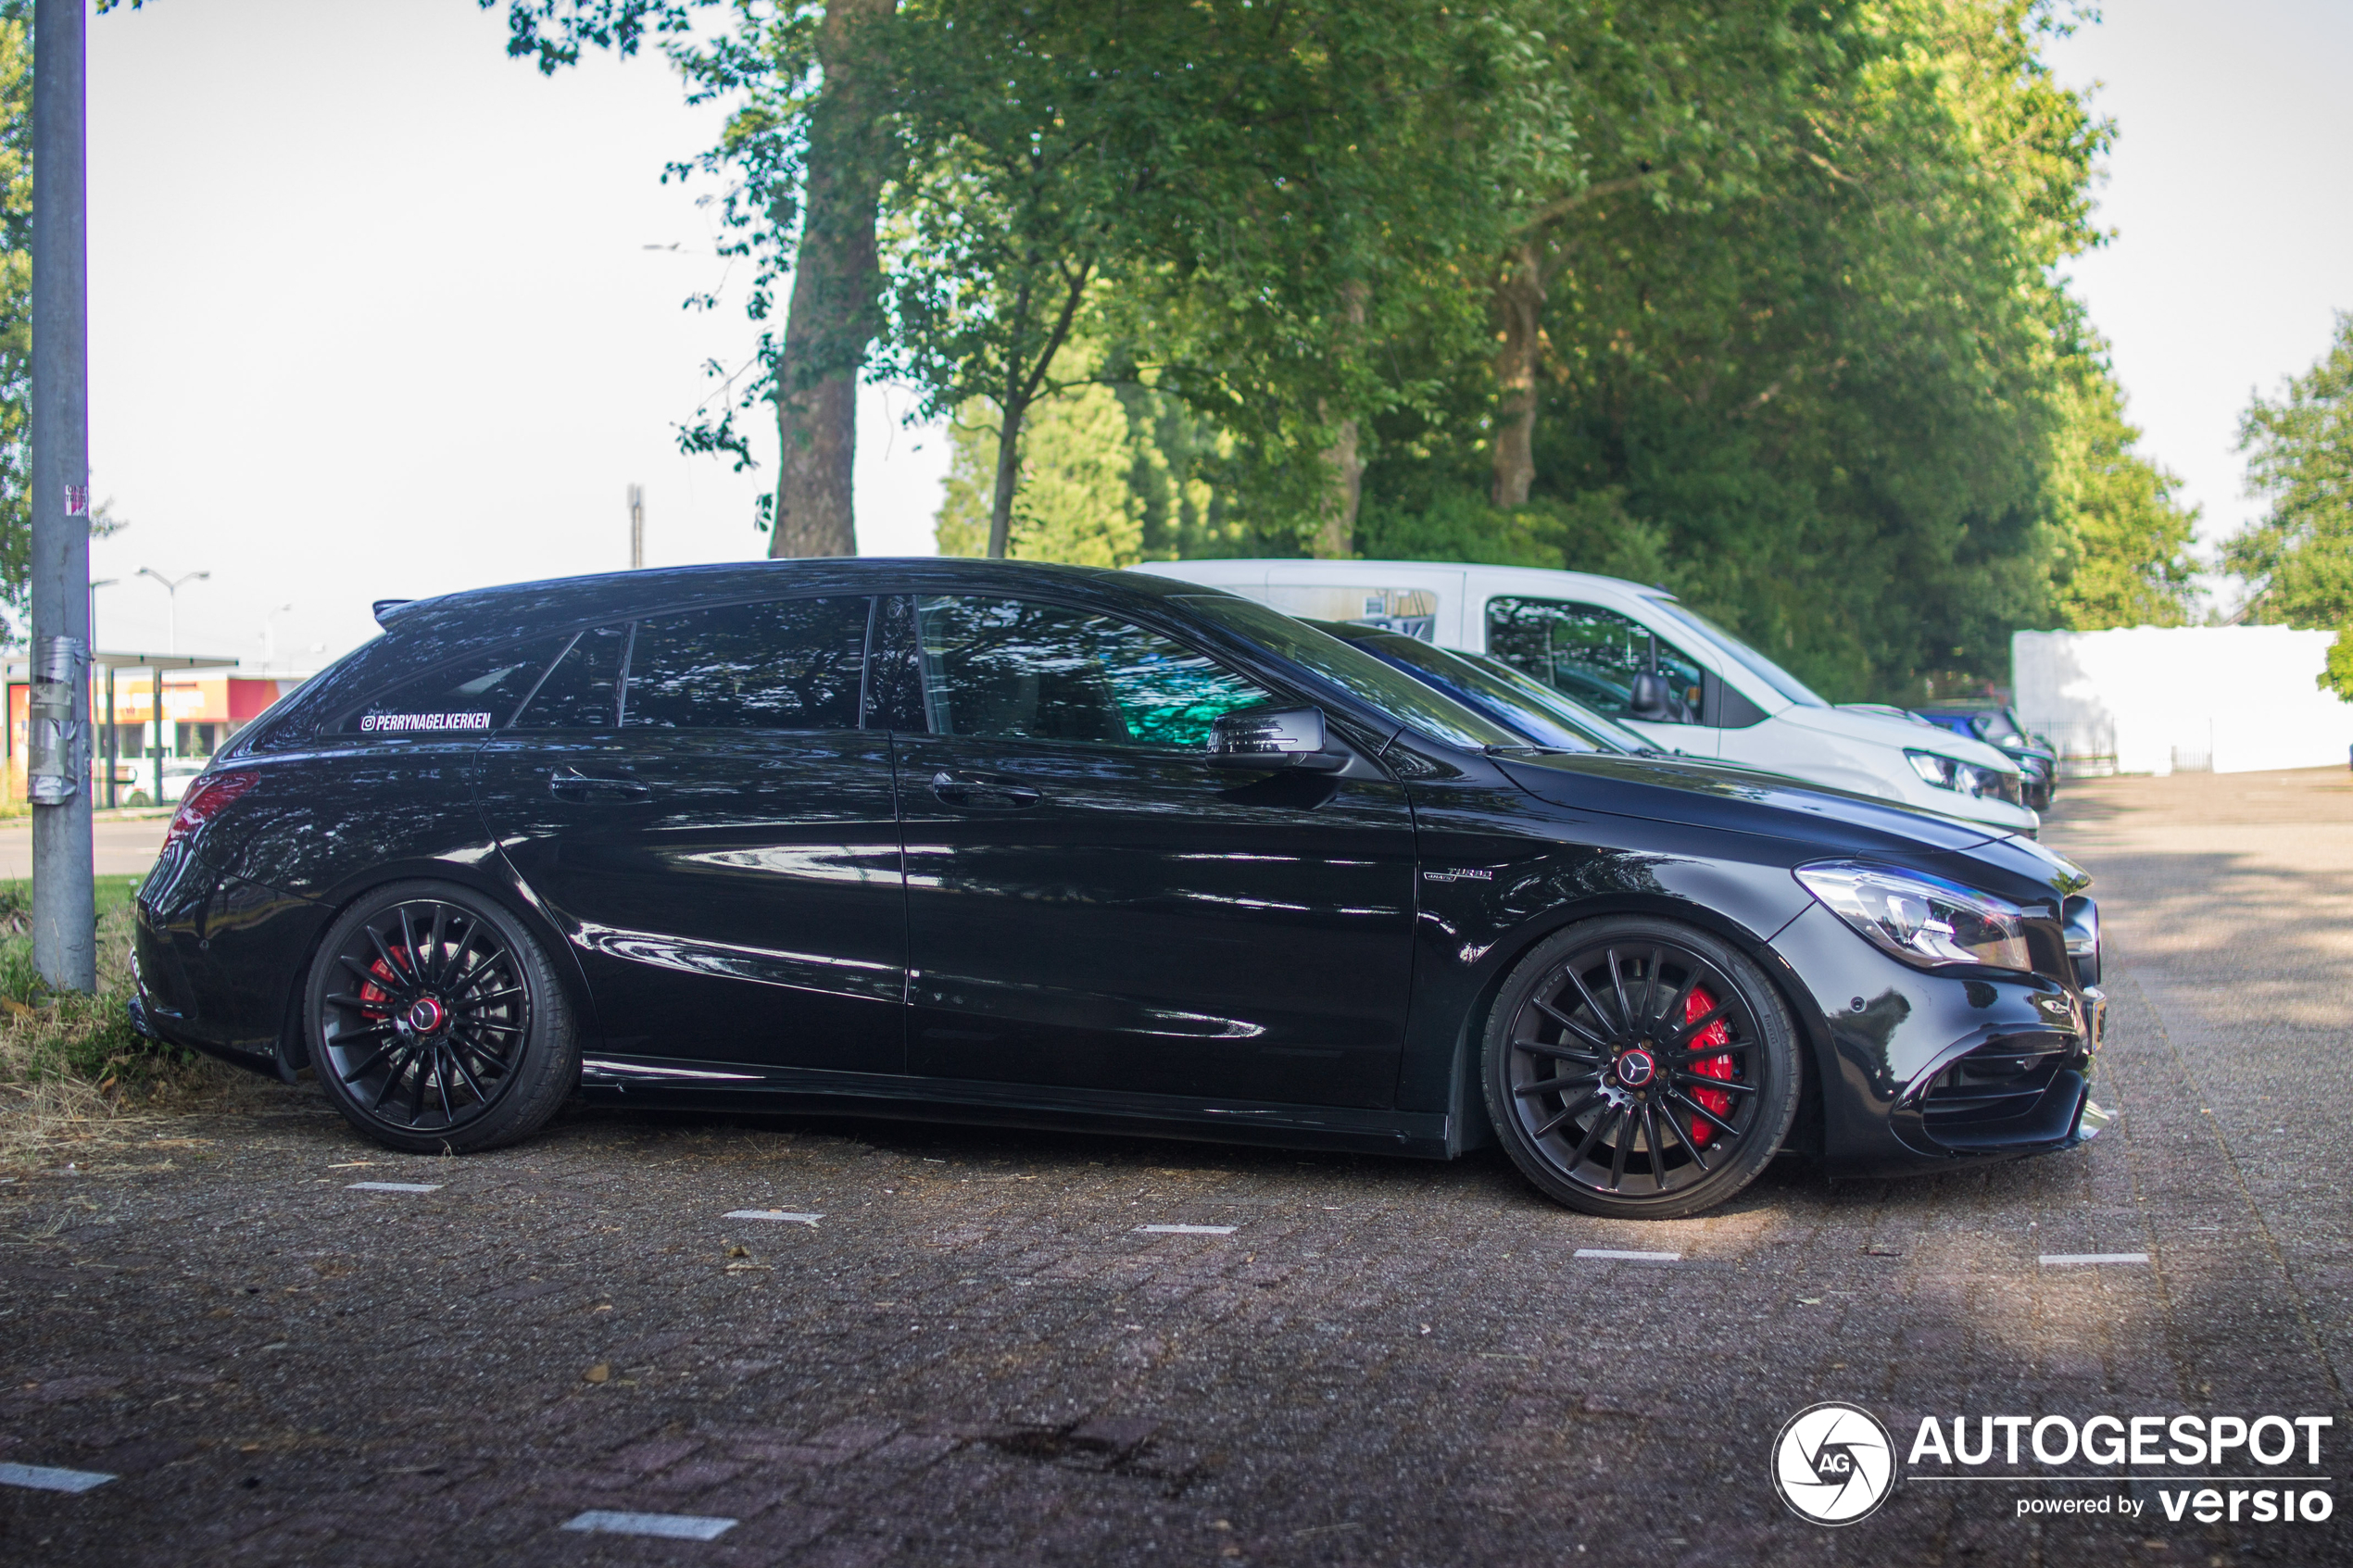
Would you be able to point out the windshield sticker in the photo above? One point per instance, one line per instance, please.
(407, 724)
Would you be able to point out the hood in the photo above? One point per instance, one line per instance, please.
(1739, 800)
(1907, 734)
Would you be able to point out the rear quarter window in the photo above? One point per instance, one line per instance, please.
(474, 696)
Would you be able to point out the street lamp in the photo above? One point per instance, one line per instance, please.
(172, 587)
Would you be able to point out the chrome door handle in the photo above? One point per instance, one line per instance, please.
(570, 783)
(983, 792)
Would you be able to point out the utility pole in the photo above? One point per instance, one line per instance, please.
(637, 526)
(65, 936)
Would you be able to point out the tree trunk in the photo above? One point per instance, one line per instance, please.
(1336, 533)
(1336, 536)
(1519, 300)
(835, 280)
(1000, 503)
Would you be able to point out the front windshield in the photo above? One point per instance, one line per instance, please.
(1353, 670)
(1476, 683)
(1607, 734)
(2002, 729)
(1750, 660)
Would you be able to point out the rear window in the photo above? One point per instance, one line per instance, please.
(474, 696)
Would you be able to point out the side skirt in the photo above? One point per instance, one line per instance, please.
(725, 1086)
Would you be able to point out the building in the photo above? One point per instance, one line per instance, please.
(203, 702)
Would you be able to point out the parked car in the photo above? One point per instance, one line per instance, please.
(1057, 846)
(1998, 724)
(1652, 663)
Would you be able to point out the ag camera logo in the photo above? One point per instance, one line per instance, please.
(1833, 1464)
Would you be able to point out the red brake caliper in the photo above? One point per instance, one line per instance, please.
(374, 1003)
(1716, 1034)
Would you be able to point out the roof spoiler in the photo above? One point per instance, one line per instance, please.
(383, 607)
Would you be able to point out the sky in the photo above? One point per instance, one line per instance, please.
(2230, 194)
(377, 312)
(374, 316)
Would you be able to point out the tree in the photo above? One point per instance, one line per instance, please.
(1031, 130)
(2298, 559)
(1817, 340)
(1676, 105)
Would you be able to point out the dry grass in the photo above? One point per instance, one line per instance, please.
(77, 1085)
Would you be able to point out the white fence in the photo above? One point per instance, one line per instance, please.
(2158, 700)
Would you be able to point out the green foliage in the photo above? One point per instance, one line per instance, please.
(1756, 298)
(1112, 472)
(2300, 556)
(1589, 532)
(2126, 559)
(2338, 676)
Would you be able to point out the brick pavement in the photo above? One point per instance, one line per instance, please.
(975, 1356)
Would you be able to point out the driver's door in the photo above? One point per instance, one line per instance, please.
(1092, 905)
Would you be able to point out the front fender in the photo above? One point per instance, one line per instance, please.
(1500, 872)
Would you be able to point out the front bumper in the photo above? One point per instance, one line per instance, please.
(1924, 1071)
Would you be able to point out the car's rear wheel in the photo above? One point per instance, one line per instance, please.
(436, 1023)
(1639, 1068)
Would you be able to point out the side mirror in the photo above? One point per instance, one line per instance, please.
(1266, 739)
(1648, 699)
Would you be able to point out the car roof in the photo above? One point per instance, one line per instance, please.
(631, 594)
(1545, 582)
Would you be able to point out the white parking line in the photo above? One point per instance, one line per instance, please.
(40, 1478)
(1187, 1230)
(393, 1186)
(671, 1526)
(1613, 1255)
(2062, 1260)
(771, 1214)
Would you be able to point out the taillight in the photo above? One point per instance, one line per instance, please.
(208, 796)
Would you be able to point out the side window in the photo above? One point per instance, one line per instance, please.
(579, 693)
(788, 664)
(479, 694)
(1014, 669)
(1592, 654)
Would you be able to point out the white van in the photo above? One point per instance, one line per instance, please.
(1638, 655)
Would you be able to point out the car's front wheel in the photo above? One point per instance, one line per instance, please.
(436, 1023)
(1639, 1068)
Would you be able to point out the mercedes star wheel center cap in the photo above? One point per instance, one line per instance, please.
(1634, 1069)
(425, 1015)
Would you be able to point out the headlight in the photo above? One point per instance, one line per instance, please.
(1946, 773)
(1923, 920)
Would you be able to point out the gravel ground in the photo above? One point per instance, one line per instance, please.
(975, 1355)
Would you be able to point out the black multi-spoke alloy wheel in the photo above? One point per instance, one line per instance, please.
(435, 1023)
(1639, 1068)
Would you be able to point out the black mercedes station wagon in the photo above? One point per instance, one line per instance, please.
(1055, 847)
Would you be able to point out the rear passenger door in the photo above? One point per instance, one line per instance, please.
(697, 801)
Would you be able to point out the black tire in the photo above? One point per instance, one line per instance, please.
(1608, 1107)
(436, 1023)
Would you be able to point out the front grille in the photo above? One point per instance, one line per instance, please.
(1991, 1083)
